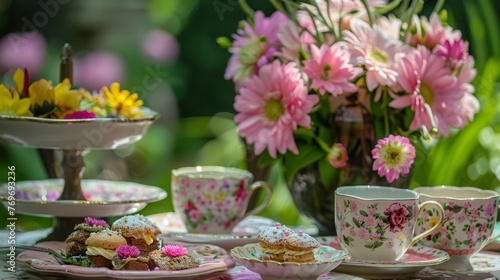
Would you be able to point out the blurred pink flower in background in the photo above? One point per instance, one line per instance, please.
(160, 46)
(23, 50)
(98, 69)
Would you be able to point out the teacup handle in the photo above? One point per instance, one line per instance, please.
(253, 188)
(433, 229)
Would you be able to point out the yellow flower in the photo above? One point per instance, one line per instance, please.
(19, 80)
(66, 100)
(97, 101)
(42, 98)
(220, 196)
(433, 222)
(122, 102)
(11, 104)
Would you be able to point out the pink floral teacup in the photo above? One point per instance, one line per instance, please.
(378, 223)
(469, 218)
(213, 199)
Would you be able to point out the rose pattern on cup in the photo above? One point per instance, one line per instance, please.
(473, 224)
(371, 224)
(207, 204)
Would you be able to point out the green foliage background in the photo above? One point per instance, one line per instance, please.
(195, 101)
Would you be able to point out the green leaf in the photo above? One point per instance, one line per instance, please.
(266, 160)
(363, 213)
(356, 222)
(377, 244)
(308, 154)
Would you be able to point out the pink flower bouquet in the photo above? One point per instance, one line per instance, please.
(294, 68)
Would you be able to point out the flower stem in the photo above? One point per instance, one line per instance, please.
(368, 12)
(246, 8)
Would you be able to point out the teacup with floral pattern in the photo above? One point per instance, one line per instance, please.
(469, 219)
(213, 199)
(378, 223)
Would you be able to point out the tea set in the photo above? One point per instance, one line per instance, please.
(377, 226)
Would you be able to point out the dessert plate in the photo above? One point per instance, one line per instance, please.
(212, 259)
(104, 198)
(99, 133)
(415, 259)
(326, 259)
(243, 233)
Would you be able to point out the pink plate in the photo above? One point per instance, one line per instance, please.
(211, 258)
(415, 259)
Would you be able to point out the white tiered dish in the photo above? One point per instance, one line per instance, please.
(82, 134)
(104, 198)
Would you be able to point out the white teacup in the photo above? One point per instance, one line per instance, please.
(470, 215)
(378, 223)
(213, 199)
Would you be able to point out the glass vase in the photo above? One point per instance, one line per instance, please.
(353, 126)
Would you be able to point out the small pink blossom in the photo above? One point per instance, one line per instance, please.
(390, 244)
(195, 215)
(375, 236)
(448, 214)
(127, 251)
(330, 69)
(490, 210)
(393, 156)
(353, 206)
(338, 156)
(363, 233)
(455, 52)
(95, 222)
(461, 218)
(174, 250)
(84, 114)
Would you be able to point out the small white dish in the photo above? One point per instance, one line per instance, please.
(414, 260)
(326, 259)
(211, 258)
(104, 198)
(99, 133)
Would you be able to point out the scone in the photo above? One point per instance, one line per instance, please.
(128, 258)
(299, 248)
(172, 257)
(75, 243)
(101, 247)
(271, 242)
(139, 232)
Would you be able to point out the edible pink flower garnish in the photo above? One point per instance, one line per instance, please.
(174, 250)
(84, 114)
(127, 251)
(95, 222)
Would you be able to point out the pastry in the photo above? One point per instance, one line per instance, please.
(271, 242)
(299, 248)
(172, 257)
(101, 247)
(139, 232)
(75, 243)
(128, 258)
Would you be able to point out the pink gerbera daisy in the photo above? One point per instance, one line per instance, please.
(431, 90)
(393, 155)
(374, 49)
(271, 105)
(431, 32)
(254, 46)
(330, 69)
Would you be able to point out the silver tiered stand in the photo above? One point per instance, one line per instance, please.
(72, 137)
